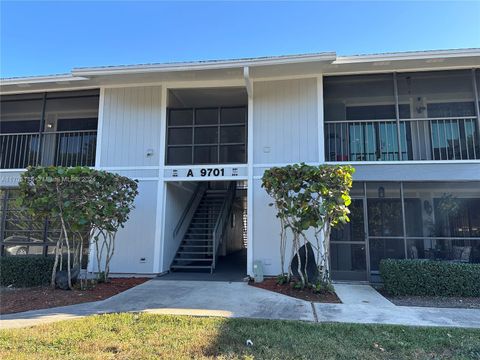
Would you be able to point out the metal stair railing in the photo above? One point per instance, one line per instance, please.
(222, 221)
(188, 213)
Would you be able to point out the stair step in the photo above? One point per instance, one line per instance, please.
(192, 259)
(198, 240)
(195, 252)
(194, 246)
(191, 266)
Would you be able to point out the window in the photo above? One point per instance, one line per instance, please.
(384, 209)
(436, 117)
(414, 220)
(20, 234)
(57, 128)
(206, 136)
(353, 230)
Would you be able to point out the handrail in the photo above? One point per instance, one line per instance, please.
(52, 132)
(401, 119)
(199, 190)
(60, 148)
(440, 138)
(222, 221)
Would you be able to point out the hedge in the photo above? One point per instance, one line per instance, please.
(23, 271)
(431, 278)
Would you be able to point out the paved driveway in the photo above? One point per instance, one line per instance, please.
(361, 304)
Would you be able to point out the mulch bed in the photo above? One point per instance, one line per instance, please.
(304, 294)
(43, 297)
(434, 301)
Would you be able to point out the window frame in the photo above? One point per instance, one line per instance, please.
(218, 144)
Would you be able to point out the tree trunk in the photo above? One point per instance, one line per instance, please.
(326, 255)
(305, 241)
(299, 262)
(80, 253)
(55, 264)
(108, 246)
(67, 242)
(283, 246)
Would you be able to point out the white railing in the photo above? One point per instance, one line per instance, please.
(407, 139)
(60, 148)
(222, 221)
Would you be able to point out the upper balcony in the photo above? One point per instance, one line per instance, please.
(402, 117)
(49, 129)
(206, 126)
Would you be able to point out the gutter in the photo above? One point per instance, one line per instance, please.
(411, 55)
(207, 65)
(41, 79)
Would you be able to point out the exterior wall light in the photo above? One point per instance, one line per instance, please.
(381, 192)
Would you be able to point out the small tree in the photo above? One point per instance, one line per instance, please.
(309, 197)
(62, 195)
(114, 199)
(86, 203)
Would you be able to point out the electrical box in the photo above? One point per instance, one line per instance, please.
(258, 271)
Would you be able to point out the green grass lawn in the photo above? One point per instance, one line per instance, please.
(143, 336)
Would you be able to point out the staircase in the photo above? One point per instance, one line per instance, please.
(197, 249)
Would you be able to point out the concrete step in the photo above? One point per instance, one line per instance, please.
(191, 267)
(192, 259)
(197, 240)
(195, 252)
(194, 246)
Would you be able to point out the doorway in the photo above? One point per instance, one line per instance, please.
(348, 246)
(205, 230)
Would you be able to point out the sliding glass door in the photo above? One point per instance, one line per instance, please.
(348, 246)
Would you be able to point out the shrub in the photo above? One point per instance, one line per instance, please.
(23, 271)
(431, 278)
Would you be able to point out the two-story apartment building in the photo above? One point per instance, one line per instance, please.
(198, 137)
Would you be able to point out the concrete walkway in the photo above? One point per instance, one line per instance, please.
(362, 304)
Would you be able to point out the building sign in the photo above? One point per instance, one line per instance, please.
(197, 173)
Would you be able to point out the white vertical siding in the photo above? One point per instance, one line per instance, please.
(131, 126)
(266, 231)
(176, 200)
(285, 118)
(136, 240)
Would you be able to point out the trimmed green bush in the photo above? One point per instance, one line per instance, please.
(23, 271)
(431, 278)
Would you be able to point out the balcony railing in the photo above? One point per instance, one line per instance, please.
(419, 139)
(60, 148)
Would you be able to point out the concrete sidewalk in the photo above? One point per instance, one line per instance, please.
(362, 304)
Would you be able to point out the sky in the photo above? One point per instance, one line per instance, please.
(41, 37)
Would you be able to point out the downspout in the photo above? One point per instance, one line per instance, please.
(249, 87)
(248, 82)
(477, 106)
